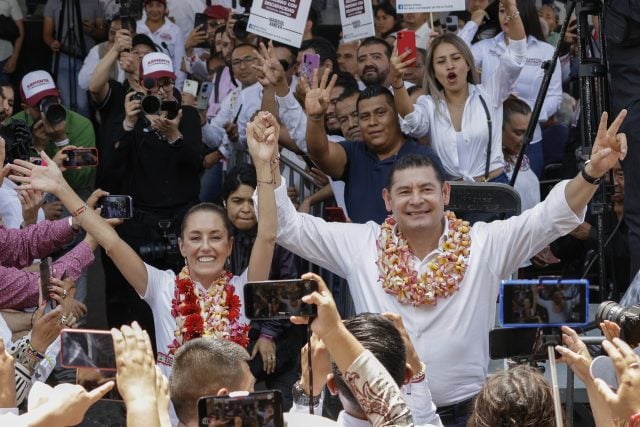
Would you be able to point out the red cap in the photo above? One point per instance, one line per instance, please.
(217, 12)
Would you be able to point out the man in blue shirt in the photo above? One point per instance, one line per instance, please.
(362, 165)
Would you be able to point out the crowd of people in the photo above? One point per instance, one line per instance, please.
(190, 119)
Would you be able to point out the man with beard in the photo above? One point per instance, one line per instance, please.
(374, 55)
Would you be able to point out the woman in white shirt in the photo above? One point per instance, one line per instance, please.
(488, 54)
(203, 299)
(462, 118)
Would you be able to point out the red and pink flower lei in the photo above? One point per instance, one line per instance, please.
(443, 276)
(212, 314)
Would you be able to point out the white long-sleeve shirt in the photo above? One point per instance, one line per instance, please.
(451, 337)
(463, 154)
(487, 54)
(89, 66)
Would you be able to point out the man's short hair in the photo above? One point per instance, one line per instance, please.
(378, 335)
(244, 45)
(415, 161)
(348, 93)
(291, 49)
(376, 90)
(201, 367)
(346, 81)
(371, 41)
(513, 105)
(322, 47)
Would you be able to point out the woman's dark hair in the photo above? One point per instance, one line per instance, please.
(513, 105)
(388, 9)
(530, 19)
(415, 161)
(243, 174)
(207, 207)
(519, 397)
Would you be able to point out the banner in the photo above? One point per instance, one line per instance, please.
(357, 19)
(420, 6)
(279, 20)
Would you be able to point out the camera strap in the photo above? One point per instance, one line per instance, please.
(80, 28)
(490, 126)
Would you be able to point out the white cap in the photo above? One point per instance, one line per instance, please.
(156, 65)
(37, 85)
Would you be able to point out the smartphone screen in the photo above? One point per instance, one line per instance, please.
(518, 343)
(407, 42)
(86, 348)
(310, 63)
(451, 24)
(200, 23)
(278, 299)
(81, 157)
(539, 303)
(259, 409)
(204, 95)
(334, 214)
(116, 207)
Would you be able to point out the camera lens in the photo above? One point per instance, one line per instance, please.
(610, 310)
(54, 112)
(151, 104)
(153, 251)
(240, 27)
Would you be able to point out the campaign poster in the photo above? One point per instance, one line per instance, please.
(279, 20)
(357, 19)
(421, 6)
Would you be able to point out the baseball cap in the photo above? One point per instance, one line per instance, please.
(164, 2)
(37, 85)
(217, 12)
(156, 65)
(145, 40)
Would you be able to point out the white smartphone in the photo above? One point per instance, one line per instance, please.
(190, 87)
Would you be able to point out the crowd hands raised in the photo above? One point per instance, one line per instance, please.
(349, 124)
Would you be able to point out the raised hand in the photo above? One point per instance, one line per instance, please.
(609, 145)
(136, 372)
(328, 319)
(31, 202)
(262, 138)
(398, 65)
(317, 97)
(269, 67)
(122, 41)
(575, 354)
(47, 178)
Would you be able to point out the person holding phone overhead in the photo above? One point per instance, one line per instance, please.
(204, 299)
(462, 117)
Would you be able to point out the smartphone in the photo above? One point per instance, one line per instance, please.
(93, 378)
(200, 23)
(259, 409)
(80, 158)
(451, 24)
(539, 303)
(46, 273)
(87, 348)
(308, 161)
(334, 214)
(37, 161)
(190, 87)
(406, 41)
(523, 343)
(278, 299)
(203, 96)
(116, 207)
(310, 63)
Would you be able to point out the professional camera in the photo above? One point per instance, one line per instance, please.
(242, 19)
(53, 111)
(165, 249)
(17, 138)
(130, 9)
(628, 318)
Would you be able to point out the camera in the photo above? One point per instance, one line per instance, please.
(166, 249)
(17, 138)
(628, 318)
(242, 20)
(53, 111)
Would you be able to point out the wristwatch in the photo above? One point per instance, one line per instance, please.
(590, 179)
(301, 398)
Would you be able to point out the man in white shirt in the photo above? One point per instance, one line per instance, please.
(424, 256)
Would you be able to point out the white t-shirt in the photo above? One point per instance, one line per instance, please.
(8, 8)
(160, 292)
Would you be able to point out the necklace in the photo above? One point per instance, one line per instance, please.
(443, 276)
(213, 313)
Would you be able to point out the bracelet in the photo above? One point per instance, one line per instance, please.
(512, 17)
(30, 351)
(273, 180)
(590, 179)
(634, 420)
(82, 209)
(420, 376)
(62, 143)
(398, 88)
(178, 138)
(126, 126)
(317, 118)
(267, 337)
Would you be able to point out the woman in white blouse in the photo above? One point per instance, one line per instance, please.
(488, 56)
(462, 118)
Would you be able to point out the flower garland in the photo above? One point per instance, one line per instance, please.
(443, 276)
(212, 314)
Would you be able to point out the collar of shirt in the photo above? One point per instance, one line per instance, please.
(433, 253)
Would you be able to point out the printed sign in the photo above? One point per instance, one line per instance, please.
(357, 19)
(279, 20)
(420, 6)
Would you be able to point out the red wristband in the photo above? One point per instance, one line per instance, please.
(79, 211)
(634, 420)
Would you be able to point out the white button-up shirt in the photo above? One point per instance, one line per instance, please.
(452, 336)
(434, 119)
(169, 40)
(488, 53)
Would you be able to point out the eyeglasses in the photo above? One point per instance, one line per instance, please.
(247, 60)
(163, 82)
